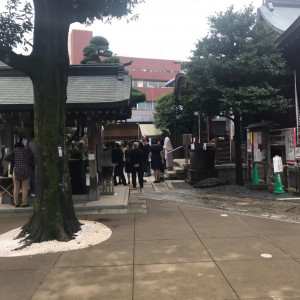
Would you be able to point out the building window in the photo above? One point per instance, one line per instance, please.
(148, 105)
(150, 84)
(141, 105)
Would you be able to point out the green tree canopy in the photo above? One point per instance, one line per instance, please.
(164, 115)
(112, 60)
(232, 69)
(137, 96)
(98, 46)
(164, 112)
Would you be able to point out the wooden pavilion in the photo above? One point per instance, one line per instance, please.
(96, 94)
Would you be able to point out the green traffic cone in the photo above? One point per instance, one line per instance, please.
(255, 175)
(278, 185)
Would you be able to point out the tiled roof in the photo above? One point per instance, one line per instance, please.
(154, 93)
(152, 63)
(288, 38)
(106, 90)
(280, 18)
(151, 69)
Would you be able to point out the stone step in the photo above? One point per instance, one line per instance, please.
(178, 170)
(177, 173)
(180, 162)
(170, 174)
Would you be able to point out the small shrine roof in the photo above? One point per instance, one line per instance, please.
(92, 89)
(86, 85)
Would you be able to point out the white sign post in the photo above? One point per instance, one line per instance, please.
(277, 163)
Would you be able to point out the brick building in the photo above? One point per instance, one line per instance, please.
(78, 39)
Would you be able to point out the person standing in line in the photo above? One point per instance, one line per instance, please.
(168, 152)
(136, 160)
(128, 168)
(117, 160)
(22, 158)
(156, 159)
(147, 147)
(31, 146)
(144, 146)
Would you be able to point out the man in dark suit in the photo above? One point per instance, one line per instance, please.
(145, 147)
(117, 160)
(136, 160)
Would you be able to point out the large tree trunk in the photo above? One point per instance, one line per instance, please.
(239, 180)
(53, 216)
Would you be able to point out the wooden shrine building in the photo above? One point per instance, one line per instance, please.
(96, 94)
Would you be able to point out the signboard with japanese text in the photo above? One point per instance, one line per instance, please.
(249, 141)
(255, 140)
(290, 144)
(259, 153)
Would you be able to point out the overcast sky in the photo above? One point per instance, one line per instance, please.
(166, 29)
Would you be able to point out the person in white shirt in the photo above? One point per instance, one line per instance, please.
(168, 153)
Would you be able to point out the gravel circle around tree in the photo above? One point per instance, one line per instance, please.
(91, 233)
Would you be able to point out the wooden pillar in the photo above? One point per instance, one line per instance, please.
(99, 150)
(8, 136)
(92, 153)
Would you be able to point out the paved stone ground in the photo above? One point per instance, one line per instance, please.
(169, 246)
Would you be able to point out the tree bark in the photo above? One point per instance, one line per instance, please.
(239, 180)
(53, 216)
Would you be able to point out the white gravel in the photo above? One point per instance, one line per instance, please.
(91, 233)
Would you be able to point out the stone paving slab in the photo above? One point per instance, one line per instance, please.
(122, 233)
(170, 251)
(34, 262)
(217, 225)
(7, 224)
(162, 226)
(262, 279)
(241, 248)
(271, 227)
(21, 284)
(104, 254)
(181, 281)
(113, 283)
(161, 207)
(287, 243)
